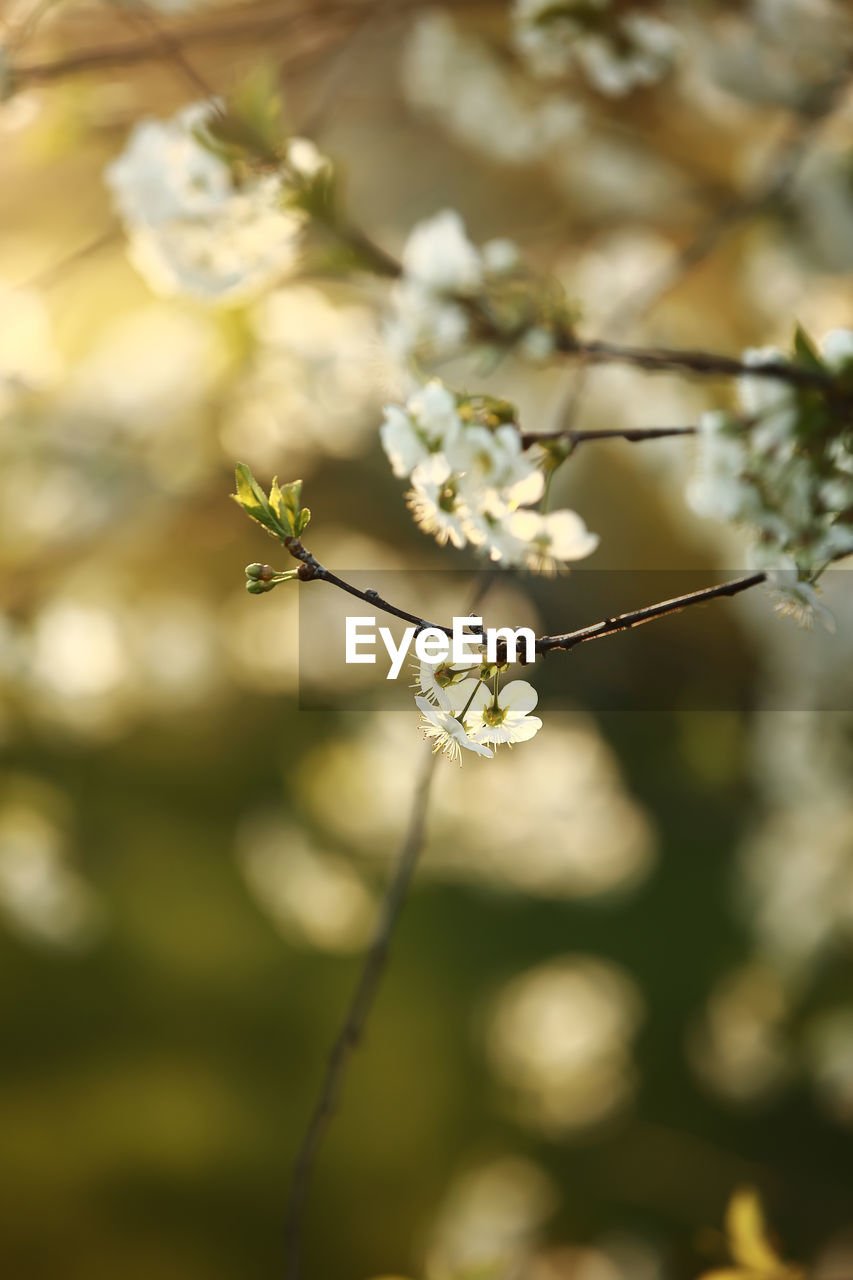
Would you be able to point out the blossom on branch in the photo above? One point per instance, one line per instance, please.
(448, 733)
(474, 483)
(504, 716)
(202, 219)
(452, 296)
(617, 50)
(785, 468)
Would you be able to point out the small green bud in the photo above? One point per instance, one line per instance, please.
(260, 572)
(258, 588)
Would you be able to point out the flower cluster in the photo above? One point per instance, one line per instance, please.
(461, 712)
(617, 51)
(472, 482)
(479, 98)
(452, 294)
(785, 466)
(197, 222)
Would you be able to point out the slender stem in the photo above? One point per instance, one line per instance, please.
(356, 1017)
(313, 569)
(625, 621)
(462, 713)
(704, 363)
(226, 30)
(635, 435)
(50, 275)
(544, 644)
(172, 48)
(594, 351)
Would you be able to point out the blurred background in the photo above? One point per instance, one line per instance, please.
(622, 986)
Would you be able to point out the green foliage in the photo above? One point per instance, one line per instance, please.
(805, 351)
(250, 126)
(280, 513)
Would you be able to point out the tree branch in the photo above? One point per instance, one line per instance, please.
(356, 1017)
(634, 435)
(226, 30)
(625, 621)
(312, 569)
(704, 363)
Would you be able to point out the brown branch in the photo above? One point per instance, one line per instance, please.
(325, 22)
(171, 47)
(356, 1017)
(226, 30)
(594, 351)
(625, 621)
(50, 275)
(704, 363)
(312, 569)
(634, 435)
(781, 172)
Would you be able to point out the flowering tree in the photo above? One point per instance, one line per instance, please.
(223, 204)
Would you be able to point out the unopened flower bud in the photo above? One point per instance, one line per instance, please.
(260, 572)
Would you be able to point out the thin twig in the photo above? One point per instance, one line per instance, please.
(634, 435)
(594, 351)
(337, 19)
(625, 621)
(172, 48)
(50, 275)
(356, 1017)
(312, 569)
(705, 363)
(777, 179)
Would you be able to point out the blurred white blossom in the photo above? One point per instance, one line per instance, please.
(617, 51)
(472, 481)
(191, 227)
(785, 469)
(460, 82)
(559, 1038)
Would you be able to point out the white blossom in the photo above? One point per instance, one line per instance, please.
(786, 471)
(717, 487)
(494, 460)
(504, 716)
(447, 732)
(616, 52)
(542, 543)
(191, 228)
(836, 348)
(473, 483)
(443, 274)
(428, 422)
(447, 684)
(473, 93)
(769, 400)
(435, 502)
(439, 256)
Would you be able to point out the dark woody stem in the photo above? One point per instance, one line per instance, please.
(634, 435)
(462, 713)
(625, 621)
(311, 569)
(652, 359)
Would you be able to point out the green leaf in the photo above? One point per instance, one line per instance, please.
(251, 497)
(251, 124)
(805, 350)
(280, 513)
